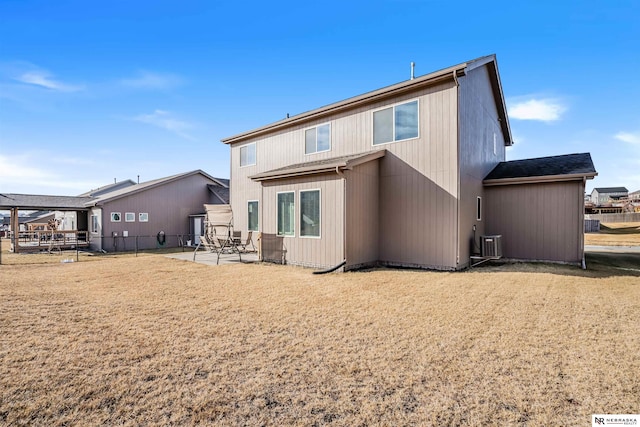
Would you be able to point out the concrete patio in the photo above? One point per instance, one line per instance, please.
(209, 258)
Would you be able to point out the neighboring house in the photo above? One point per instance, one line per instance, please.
(395, 177)
(156, 211)
(66, 220)
(72, 210)
(635, 196)
(40, 221)
(114, 215)
(604, 195)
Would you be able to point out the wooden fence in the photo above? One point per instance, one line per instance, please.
(619, 217)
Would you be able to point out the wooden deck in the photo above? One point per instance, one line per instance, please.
(47, 240)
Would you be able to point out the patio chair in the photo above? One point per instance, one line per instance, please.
(248, 242)
(218, 236)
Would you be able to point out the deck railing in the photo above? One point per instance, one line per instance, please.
(48, 239)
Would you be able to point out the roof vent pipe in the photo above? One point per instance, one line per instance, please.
(413, 66)
(114, 180)
(138, 179)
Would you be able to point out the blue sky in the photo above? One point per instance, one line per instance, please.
(94, 91)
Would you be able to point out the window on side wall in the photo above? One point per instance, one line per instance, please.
(286, 214)
(317, 139)
(396, 123)
(310, 213)
(143, 217)
(94, 223)
(495, 144)
(116, 217)
(129, 217)
(248, 155)
(252, 215)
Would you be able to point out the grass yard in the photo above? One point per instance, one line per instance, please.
(615, 234)
(156, 341)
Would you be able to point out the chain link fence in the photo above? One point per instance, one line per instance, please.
(62, 249)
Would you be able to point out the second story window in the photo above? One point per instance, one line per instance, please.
(395, 123)
(317, 139)
(248, 154)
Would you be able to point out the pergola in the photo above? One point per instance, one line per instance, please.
(17, 202)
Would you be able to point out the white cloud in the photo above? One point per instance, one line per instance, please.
(17, 168)
(544, 109)
(163, 119)
(22, 174)
(630, 137)
(43, 79)
(149, 80)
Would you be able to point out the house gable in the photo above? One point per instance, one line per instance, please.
(393, 91)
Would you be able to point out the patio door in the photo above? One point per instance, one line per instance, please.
(197, 229)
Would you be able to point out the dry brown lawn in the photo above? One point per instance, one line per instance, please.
(156, 341)
(56, 256)
(615, 234)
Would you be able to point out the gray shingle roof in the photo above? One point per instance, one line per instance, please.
(34, 201)
(108, 188)
(611, 190)
(222, 193)
(318, 166)
(569, 164)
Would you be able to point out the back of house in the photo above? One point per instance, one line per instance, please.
(391, 177)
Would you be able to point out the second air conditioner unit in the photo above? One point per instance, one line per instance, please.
(491, 246)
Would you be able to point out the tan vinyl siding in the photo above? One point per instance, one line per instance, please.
(362, 215)
(418, 177)
(326, 251)
(478, 123)
(538, 221)
(418, 218)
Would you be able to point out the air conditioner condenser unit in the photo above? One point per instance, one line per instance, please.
(491, 246)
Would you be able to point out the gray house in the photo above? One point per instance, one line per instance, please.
(603, 195)
(394, 177)
(157, 213)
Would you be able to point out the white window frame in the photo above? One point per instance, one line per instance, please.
(479, 208)
(113, 217)
(319, 236)
(495, 144)
(316, 129)
(255, 157)
(258, 202)
(393, 128)
(295, 213)
(143, 217)
(129, 217)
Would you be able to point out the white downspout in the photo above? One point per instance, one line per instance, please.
(344, 215)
